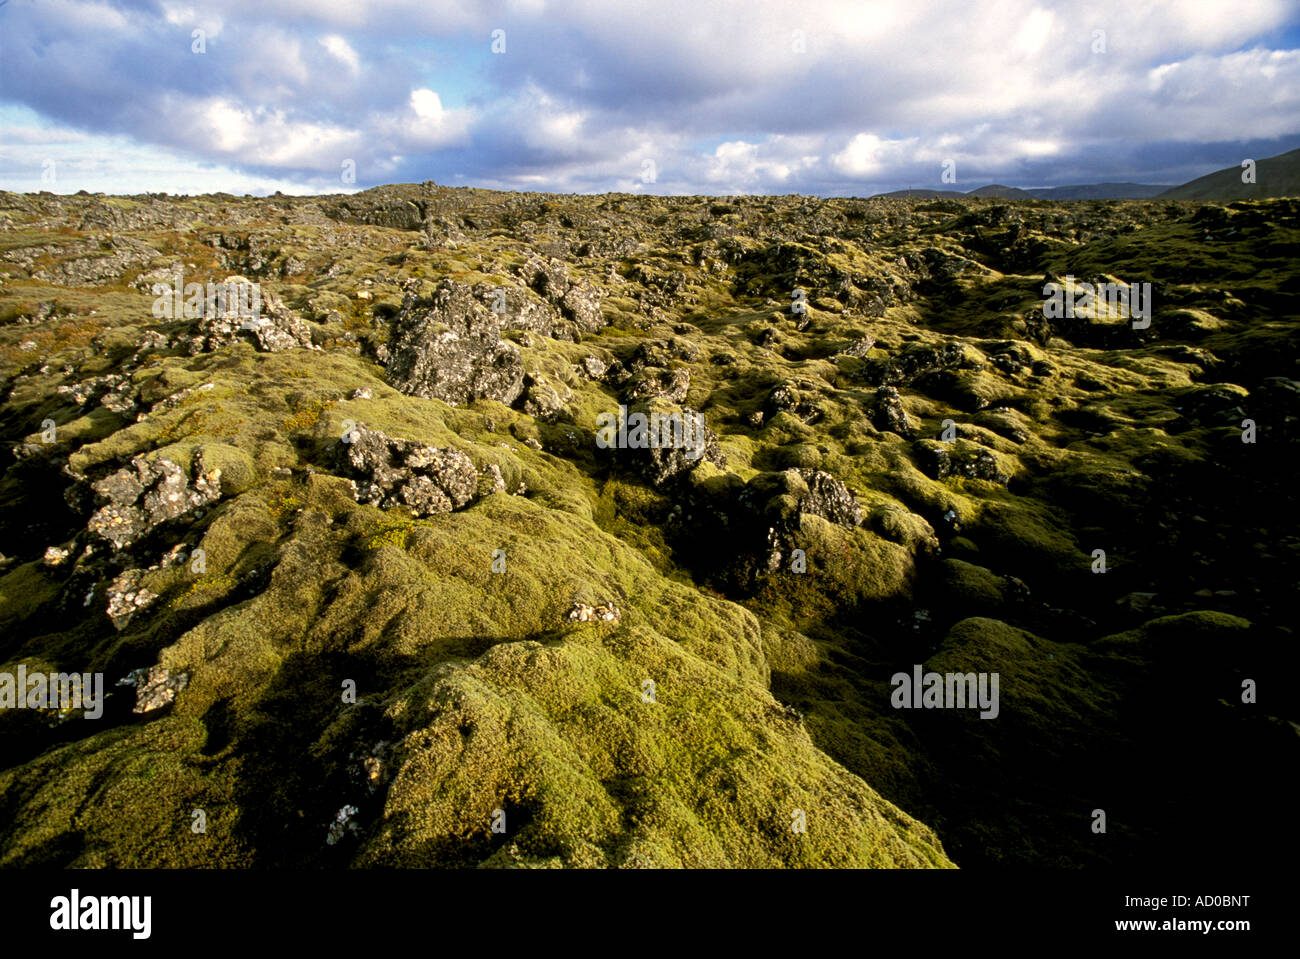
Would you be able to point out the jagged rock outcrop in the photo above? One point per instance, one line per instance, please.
(231, 316)
(888, 414)
(939, 460)
(577, 301)
(911, 362)
(449, 347)
(785, 398)
(664, 441)
(781, 498)
(390, 472)
(545, 399)
(148, 493)
(650, 382)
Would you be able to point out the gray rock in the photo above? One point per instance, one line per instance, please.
(940, 460)
(449, 347)
(830, 499)
(113, 391)
(888, 415)
(544, 400)
(155, 687)
(772, 507)
(126, 596)
(784, 399)
(647, 383)
(780, 499)
(577, 302)
(145, 494)
(491, 481)
(388, 472)
(859, 347)
(663, 460)
(273, 329)
(912, 362)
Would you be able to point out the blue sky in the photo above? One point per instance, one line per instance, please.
(837, 97)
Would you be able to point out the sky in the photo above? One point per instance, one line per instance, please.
(821, 97)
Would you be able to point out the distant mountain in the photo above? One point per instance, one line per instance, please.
(1274, 176)
(1000, 192)
(1101, 191)
(996, 191)
(921, 194)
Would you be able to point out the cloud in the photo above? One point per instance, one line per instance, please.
(342, 50)
(845, 96)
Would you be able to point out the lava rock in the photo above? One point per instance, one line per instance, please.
(647, 383)
(663, 459)
(449, 347)
(155, 687)
(148, 493)
(912, 362)
(940, 460)
(387, 472)
(126, 596)
(888, 415)
(273, 328)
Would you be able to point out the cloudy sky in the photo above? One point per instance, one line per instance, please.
(830, 97)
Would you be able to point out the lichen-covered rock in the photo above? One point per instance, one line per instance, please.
(148, 493)
(126, 596)
(491, 481)
(650, 382)
(939, 460)
(86, 263)
(593, 367)
(545, 399)
(604, 612)
(388, 472)
(518, 309)
(112, 391)
(674, 440)
(578, 301)
(858, 347)
(155, 687)
(779, 499)
(830, 499)
(1220, 404)
(449, 347)
(344, 825)
(784, 398)
(912, 362)
(234, 315)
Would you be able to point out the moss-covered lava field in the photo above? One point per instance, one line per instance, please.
(365, 590)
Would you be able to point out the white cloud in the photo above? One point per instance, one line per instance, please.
(867, 155)
(342, 50)
(427, 105)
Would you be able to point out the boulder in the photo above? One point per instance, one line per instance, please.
(449, 347)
